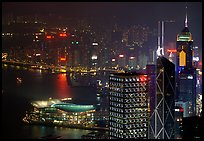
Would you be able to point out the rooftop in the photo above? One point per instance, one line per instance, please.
(64, 106)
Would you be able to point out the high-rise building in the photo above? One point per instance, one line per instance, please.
(185, 106)
(196, 56)
(132, 63)
(121, 61)
(74, 51)
(162, 118)
(184, 46)
(192, 128)
(185, 71)
(128, 106)
(178, 122)
(187, 89)
(151, 72)
(102, 113)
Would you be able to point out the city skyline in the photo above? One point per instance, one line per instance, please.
(128, 13)
(125, 69)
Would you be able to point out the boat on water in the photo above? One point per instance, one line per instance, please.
(19, 80)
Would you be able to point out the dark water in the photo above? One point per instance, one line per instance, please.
(37, 85)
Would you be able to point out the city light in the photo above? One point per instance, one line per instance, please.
(94, 44)
(94, 57)
(195, 58)
(181, 110)
(62, 59)
(121, 55)
(143, 78)
(37, 54)
(49, 37)
(171, 50)
(100, 70)
(63, 35)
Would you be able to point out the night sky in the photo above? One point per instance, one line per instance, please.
(148, 13)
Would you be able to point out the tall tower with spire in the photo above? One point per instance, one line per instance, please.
(185, 70)
(184, 48)
(186, 21)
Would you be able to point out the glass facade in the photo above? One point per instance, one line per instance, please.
(178, 122)
(186, 71)
(162, 119)
(55, 112)
(184, 50)
(128, 106)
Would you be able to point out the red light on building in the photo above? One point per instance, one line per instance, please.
(200, 63)
(143, 78)
(62, 59)
(121, 55)
(181, 110)
(171, 50)
(49, 37)
(63, 35)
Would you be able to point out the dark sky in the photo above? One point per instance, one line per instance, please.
(128, 12)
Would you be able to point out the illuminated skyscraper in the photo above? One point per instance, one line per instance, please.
(185, 70)
(122, 61)
(162, 118)
(184, 46)
(74, 51)
(132, 62)
(128, 106)
(151, 72)
(178, 122)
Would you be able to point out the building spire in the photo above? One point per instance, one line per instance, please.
(186, 21)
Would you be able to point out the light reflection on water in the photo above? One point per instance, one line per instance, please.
(66, 133)
(37, 85)
(62, 85)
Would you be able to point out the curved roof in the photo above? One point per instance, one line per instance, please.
(70, 107)
(44, 103)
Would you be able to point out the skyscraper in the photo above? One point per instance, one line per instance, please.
(151, 72)
(185, 70)
(178, 122)
(128, 107)
(184, 46)
(162, 118)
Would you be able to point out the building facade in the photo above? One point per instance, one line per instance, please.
(128, 106)
(185, 70)
(178, 122)
(162, 118)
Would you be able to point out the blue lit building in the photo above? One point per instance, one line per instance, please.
(185, 106)
(128, 106)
